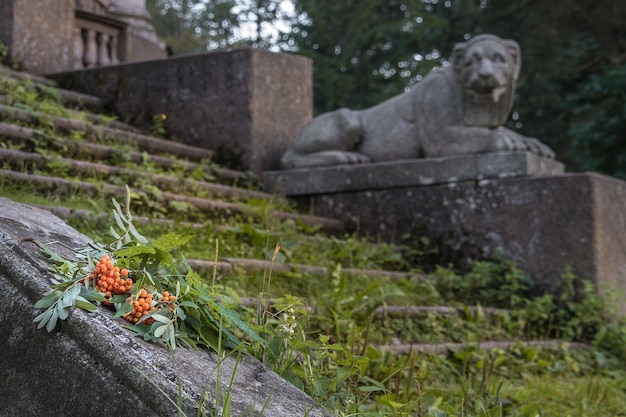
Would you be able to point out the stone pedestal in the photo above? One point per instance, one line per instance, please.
(245, 104)
(543, 223)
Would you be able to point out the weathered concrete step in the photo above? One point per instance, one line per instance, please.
(75, 149)
(67, 214)
(208, 205)
(444, 348)
(91, 117)
(254, 265)
(18, 75)
(143, 142)
(15, 160)
(384, 312)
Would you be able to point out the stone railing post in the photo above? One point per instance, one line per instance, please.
(97, 39)
(90, 57)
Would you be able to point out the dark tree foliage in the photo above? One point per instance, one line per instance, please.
(366, 51)
(573, 59)
(194, 25)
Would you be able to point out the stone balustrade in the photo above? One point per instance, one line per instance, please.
(98, 41)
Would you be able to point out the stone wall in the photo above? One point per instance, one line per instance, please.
(92, 365)
(59, 35)
(247, 104)
(40, 37)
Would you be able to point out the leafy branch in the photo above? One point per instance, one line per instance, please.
(146, 283)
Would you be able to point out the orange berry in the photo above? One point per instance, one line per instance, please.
(172, 297)
(124, 272)
(166, 294)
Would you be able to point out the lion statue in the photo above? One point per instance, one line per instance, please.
(455, 110)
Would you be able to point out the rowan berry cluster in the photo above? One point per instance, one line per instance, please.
(145, 304)
(110, 279)
(142, 305)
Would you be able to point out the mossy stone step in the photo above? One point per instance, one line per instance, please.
(19, 135)
(406, 312)
(143, 142)
(445, 348)
(227, 264)
(68, 97)
(16, 159)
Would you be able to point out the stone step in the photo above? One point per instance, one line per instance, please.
(405, 312)
(143, 142)
(226, 265)
(23, 135)
(445, 348)
(16, 159)
(205, 204)
(68, 97)
(18, 75)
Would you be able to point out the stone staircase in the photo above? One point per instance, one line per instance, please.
(75, 154)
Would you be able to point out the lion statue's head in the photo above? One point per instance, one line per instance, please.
(487, 68)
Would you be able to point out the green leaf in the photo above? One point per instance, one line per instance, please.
(62, 312)
(86, 305)
(91, 294)
(52, 322)
(161, 318)
(43, 318)
(161, 329)
(48, 300)
(114, 233)
(171, 241)
(123, 310)
(118, 220)
(140, 238)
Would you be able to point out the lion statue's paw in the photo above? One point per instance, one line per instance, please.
(535, 146)
(345, 157)
(294, 160)
(510, 141)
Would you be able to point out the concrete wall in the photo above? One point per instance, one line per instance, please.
(246, 104)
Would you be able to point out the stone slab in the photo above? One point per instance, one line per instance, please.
(92, 365)
(246, 104)
(543, 223)
(407, 173)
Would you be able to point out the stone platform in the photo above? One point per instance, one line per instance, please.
(544, 223)
(408, 173)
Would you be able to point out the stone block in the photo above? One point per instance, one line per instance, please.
(92, 365)
(40, 37)
(247, 104)
(543, 223)
(410, 172)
